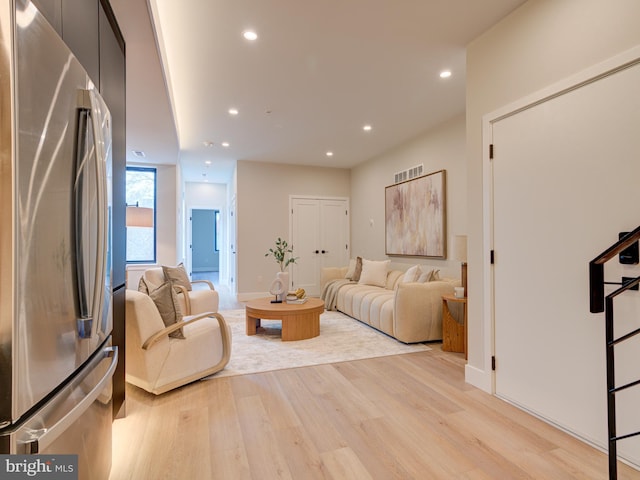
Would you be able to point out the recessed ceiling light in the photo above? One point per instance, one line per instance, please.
(207, 143)
(250, 35)
(139, 153)
(233, 111)
(367, 128)
(225, 144)
(329, 154)
(208, 162)
(445, 74)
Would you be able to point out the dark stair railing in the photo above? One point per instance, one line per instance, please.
(599, 303)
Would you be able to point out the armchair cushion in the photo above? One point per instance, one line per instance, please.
(168, 306)
(177, 275)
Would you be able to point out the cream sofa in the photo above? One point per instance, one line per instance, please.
(408, 311)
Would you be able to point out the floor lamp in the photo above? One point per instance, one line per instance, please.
(460, 254)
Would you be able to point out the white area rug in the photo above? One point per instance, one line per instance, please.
(341, 339)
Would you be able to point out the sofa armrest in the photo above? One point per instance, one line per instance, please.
(331, 273)
(418, 310)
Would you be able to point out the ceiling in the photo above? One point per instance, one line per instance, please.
(318, 72)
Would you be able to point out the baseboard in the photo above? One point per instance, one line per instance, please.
(478, 378)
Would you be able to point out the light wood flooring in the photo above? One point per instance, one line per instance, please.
(402, 417)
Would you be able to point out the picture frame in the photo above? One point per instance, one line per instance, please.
(415, 217)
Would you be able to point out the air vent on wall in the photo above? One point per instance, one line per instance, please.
(409, 174)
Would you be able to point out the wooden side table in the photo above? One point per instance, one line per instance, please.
(454, 333)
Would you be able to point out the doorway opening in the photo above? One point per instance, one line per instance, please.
(205, 245)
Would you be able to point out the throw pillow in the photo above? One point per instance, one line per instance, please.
(355, 269)
(374, 272)
(177, 275)
(412, 274)
(358, 270)
(167, 304)
(425, 276)
(430, 276)
(143, 287)
(351, 269)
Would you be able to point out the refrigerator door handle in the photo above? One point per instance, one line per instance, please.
(98, 116)
(42, 438)
(84, 320)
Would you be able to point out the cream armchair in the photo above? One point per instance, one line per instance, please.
(193, 301)
(158, 363)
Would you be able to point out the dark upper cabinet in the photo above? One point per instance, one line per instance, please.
(80, 32)
(52, 11)
(112, 88)
(76, 21)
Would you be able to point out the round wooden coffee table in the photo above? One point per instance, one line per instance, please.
(299, 321)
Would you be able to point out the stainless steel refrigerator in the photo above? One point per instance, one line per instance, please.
(56, 359)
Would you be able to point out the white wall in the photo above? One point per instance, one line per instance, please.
(440, 148)
(167, 215)
(539, 44)
(263, 213)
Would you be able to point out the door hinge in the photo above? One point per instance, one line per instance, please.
(492, 257)
(493, 362)
(346, 212)
(491, 151)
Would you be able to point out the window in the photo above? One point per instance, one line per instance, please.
(141, 193)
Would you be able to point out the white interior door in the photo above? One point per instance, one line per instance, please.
(565, 182)
(305, 237)
(334, 233)
(320, 235)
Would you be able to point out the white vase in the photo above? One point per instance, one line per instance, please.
(284, 278)
(280, 286)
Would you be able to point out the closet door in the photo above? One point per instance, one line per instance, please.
(305, 237)
(334, 233)
(565, 183)
(320, 236)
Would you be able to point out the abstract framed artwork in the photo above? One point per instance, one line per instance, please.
(415, 217)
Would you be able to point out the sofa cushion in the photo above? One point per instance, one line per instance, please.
(374, 272)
